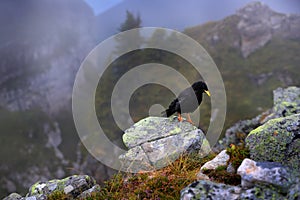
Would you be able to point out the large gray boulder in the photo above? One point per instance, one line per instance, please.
(155, 142)
(277, 140)
(286, 102)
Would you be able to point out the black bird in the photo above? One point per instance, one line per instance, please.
(187, 101)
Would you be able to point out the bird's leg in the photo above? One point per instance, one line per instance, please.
(179, 117)
(189, 119)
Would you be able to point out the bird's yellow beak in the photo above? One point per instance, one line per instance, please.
(207, 92)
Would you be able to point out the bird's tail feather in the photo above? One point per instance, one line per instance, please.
(171, 110)
(168, 112)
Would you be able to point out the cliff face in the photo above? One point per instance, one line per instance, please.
(258, 24)
(251, 28)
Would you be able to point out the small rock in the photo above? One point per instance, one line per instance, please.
(203, 190)
(220, 160)
(89, 192)
(266, 173)
(72, 186)
(13, 196)
(230, 169)
(68, 189)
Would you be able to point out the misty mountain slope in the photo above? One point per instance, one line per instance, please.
(42, 45)
(42, 48)
(256, 51)
(167, 13)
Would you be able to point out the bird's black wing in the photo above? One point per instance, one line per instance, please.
(188, 101)
(173, 107)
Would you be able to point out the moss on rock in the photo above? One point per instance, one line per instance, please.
(277, 140)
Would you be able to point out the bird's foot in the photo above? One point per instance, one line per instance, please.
(190, 121)
(180, 118)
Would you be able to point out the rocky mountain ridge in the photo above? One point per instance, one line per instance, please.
(252, 27)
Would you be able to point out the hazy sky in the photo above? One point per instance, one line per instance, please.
(102, 5)
(286, 6)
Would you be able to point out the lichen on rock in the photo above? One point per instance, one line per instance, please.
(277, 140)
(155, 142)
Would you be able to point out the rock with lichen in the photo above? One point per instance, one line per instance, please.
(155, 142)
(268, 173)
(259, 180)
(13, 196)
(73, 187)
(277, 140)
(220, 160)
(202, 190)
(286, 103)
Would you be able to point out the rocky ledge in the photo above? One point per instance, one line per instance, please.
(267, 146)
(273, 140)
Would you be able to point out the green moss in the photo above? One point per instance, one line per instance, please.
(57, 195)
(220, 175)
(274, 142)
(237, 154)
(165, 183)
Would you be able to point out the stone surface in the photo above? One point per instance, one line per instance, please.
(266, 173)
(277, 140)
(153, 128)
(294, 192)
(286, 103)
(258, 24)
(220, 160)
(155, 142)
(13, 196)
(136, 160)
(72, 186)
(202, 190)
(89, 192)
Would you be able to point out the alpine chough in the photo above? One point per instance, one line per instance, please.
(187, 101)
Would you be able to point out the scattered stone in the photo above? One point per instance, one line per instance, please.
(202, 190)
(13, 196)
(286, 103)
(89, 192)
(155, 142)
(261, 192)
(72, 186)
(294, 192)
(266, 173)
(220, 160)
(277, 140)
(230, 169)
